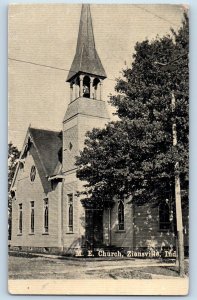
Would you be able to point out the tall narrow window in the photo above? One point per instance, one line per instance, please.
(32, 216)
(121, 215)
(70, 212)
(164, 216)
(46, 216)
(20, 225)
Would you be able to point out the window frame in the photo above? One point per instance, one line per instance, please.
(70, 212)
(20, 219)
(32, 220)
(164, 225)
(121, 215)
(46, 216)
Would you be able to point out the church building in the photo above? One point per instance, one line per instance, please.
(47, 214)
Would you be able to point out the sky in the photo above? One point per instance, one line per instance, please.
(46, 34)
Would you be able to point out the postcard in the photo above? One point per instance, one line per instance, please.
(98, 149)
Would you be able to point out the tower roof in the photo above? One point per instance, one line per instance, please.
(86, 58)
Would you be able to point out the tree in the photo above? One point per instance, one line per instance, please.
(13, 155)
(135, 156)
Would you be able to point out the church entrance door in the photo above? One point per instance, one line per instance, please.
(94, 228)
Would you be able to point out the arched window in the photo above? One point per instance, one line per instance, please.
(121, 215)
(20, 219)
(32, 216)
(70, 217)
(46, 216)
(86, 87)
(164, 216)
(95, 89)
(70, 212)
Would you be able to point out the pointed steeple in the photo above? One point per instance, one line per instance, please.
(86, 58)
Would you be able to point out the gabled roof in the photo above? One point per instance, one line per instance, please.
(48, 144)
(86, 58)
(46, 148)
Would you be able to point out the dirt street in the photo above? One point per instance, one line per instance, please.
(53, 267)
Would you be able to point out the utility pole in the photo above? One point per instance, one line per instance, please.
(179, 221)
(178, 207)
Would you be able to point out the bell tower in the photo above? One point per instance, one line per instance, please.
(86, 73)
(86, 110)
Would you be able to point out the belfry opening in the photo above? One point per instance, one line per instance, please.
(86, 86)
(86, 74)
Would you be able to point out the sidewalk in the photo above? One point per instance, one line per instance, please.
(39, 266)
(126, 260)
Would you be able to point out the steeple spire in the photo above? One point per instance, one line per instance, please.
(86, 60)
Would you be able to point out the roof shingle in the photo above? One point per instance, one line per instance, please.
(48, 144)
(86, 58)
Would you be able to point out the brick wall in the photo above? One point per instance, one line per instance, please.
(147, 232)
(27, 191)
(86, 115)
(87, 123)
(70, 148)
(72, 239)
(82, 115)
(119, 238)
(141, 228)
